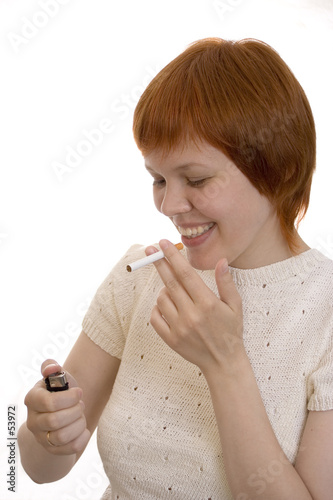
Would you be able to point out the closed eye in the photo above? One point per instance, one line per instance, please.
(192, 183)
(158, 182)
(197, 182)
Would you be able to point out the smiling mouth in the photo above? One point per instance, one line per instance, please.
(194, 232)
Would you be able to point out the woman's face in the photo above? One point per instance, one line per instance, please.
(216, 209)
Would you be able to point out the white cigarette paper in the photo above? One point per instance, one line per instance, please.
(149, 259)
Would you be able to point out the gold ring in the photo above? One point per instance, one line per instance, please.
(48, 439)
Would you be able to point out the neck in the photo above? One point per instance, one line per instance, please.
(267, 251)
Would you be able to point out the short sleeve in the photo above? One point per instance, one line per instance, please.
(109, 314)
(320, 383)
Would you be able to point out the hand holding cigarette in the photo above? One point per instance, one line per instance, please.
(149, 259)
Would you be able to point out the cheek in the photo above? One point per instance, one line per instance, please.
(210, 198)
(251, 211)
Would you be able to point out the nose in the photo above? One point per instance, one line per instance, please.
(174, 201)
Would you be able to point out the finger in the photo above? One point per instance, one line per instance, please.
(53, 421)
(65, 435)
(40, 400)
(226, 286)
(50, 366)
(160, 325)
(175, 289)
(75, 446)
(150, 250)
(167, 307)
(183, 273)
(164, 270)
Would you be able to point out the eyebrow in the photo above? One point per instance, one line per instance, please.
(184, 166)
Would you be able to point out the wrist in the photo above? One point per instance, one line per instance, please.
(232, 371)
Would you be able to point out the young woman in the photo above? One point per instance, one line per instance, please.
(209, 374)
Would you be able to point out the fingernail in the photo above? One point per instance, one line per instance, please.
(150, 250)
(51, 364)
(224, 266)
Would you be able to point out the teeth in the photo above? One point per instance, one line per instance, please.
(195, 231)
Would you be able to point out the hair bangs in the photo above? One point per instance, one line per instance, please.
(243, 99)
(179, 106)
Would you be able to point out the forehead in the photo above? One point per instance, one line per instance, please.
(185, 157)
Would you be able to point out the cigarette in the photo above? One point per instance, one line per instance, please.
(149, 259)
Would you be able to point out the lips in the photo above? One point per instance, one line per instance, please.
(194, 232)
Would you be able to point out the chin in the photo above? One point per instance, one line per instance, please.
(202, 263)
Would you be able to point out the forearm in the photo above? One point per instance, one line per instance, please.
(41, 466)
(256, 466)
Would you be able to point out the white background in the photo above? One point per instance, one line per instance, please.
(64, 71)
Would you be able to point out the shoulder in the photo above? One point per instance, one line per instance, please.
(126, 285)
(116, 301)
(316, 286)
(134, 253)
(321, 269)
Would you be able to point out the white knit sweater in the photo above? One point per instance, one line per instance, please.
(158, 436)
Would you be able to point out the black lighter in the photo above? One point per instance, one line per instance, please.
(56, 382)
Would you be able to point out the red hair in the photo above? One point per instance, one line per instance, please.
(243, 99)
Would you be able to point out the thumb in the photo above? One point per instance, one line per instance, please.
(50, 366)
(226, 286)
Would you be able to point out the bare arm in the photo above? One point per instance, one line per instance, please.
(256, 466)
(207, 331)
(70, 416)
(314, 462)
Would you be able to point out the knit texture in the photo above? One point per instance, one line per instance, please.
(158, 436)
